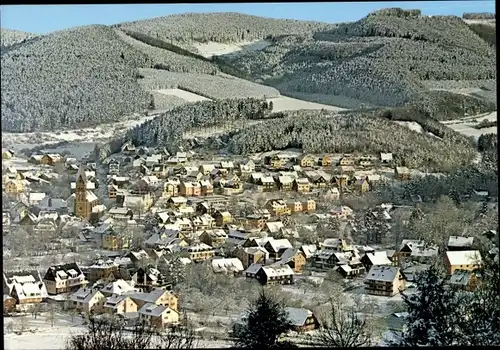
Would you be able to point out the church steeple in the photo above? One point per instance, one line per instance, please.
(81, 176)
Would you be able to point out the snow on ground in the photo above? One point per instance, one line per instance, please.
(103, 132)
(490, 22)
(185, 95)
(415, 127)
(412, 126)
(39, 334)
(466, 125)
(211, 49)
(284, 103)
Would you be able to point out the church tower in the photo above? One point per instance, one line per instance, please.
(81, 193)
(85, 200)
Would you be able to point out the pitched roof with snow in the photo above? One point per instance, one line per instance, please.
(465, 257)
(279, 244)
(117, 287)
(84, 295)
(460, 242)
(253, 269)
(277, 270)
(382, 273)
(378, 258)
(114, 300)
(309, 250)
(298, 316)
(227, 264)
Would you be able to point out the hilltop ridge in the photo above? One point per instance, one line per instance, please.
(392, 57)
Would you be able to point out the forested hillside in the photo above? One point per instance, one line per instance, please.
(82, 76)
(95, 74)
(321, 131)
(168, 129)
(9, 37)
(441, 149)
(220, 27)
(384, 59)
(89, 75)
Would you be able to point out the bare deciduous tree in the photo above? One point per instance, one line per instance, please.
(346, 327)
(52, 315)
(35, 310)
(112, 333)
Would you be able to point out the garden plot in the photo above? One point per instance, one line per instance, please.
(211, 49)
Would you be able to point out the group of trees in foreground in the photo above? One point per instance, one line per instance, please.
(438, 315)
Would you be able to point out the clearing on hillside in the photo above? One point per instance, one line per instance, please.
(211, 48)
(183, 94)
(284, 103)
(466, 126)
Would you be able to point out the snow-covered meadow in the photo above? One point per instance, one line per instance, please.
(211, 49)
(467, 125)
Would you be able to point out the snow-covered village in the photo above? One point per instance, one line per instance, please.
(225, 180)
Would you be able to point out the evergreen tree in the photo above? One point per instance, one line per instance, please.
(482, 322)
(434, 312)
(265, 322)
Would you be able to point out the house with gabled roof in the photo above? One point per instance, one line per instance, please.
(227, 265)
(385, 281)
(88, 300)
(157, 296)
(128, 148)
(251, 255)
(117, 304)
(265, 183)
(285, 183)
(271, 274)
(64, 278)
(308, 161)
(213, 238)
(415, 250)
(118, 287)
(302, 320)
(200, 252)
(374, 258)
(468, 260)
(51, 159)
(301, 185)
(26, 287)
(158, 316)
(293, 257)
(276, 247)
(460, 243)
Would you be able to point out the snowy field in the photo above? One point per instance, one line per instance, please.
(284, 103)
(490, 22)
(466, 125)
(103, 132)
(414, 126)
(39, 333)
(211, 49)
(185, 95)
